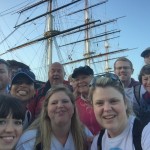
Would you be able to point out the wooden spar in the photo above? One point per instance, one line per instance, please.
(93, 26)
(99, 55)
(87, 7)
(47, 13)
(31, 6)
(106, 60)
(106, 39)
(100, 35)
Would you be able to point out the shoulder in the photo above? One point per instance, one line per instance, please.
(145, 137)
(94, 143)
(27, 138)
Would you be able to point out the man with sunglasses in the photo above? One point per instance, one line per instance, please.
(23, 87)
(146, 55)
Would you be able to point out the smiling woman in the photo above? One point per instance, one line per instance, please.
(11, 121)
(57, 127)
(114, 114)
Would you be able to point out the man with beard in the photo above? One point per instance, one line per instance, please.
(55, 77)
(5, 76)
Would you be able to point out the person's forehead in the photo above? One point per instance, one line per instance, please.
(56, 66)
(122, 63)
(3, 66)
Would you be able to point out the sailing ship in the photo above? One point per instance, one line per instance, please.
(73, 32)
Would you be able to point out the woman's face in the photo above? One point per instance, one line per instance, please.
(146, 82)
(60, 109)
(82, 83)
(10, 131)
(110, 109)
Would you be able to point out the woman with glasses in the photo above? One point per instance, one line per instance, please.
(114, 114)
(57, 127)
(11, 118)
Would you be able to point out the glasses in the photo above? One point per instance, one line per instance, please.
(111, 76)
(14, 122)
(123, 67)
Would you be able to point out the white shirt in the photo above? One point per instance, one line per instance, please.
(124, 141)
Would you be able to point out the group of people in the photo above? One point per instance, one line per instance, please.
(86, 112)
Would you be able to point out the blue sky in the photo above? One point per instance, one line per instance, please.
(135, 27)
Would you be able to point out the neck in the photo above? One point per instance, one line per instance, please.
(126, 83)
(61, 133)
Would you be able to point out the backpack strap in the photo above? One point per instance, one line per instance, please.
(137, 89)
(99, 140)
(137, 134)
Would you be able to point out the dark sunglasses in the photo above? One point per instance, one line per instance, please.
(111, 76)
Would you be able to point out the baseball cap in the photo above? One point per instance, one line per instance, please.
(82, 70)
(23, 72)
(145, 52)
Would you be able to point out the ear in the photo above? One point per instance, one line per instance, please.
(132, 71)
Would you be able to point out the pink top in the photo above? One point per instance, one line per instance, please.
(87, 116)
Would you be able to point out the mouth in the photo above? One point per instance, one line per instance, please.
(7, 139)
(22, 92)
(109, 117)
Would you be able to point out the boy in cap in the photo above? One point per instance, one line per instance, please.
(146, 55)
(83, 76)
(23, 87)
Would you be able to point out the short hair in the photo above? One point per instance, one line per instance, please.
(108, 82)
(2, 61)
(145, 70)
(10, 105)
(17, 64)
(124, 59)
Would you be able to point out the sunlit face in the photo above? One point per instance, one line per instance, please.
(23, 88)
(56, 74)
(123, 70)
(4, 76)
(146, 82)
(110, 109)
(10, 131)
(82, 83)
(60, 109)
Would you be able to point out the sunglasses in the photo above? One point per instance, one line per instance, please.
(111, 76)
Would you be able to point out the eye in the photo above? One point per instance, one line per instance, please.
(65, 101)
(99, 103)
(114, 101)
(18, 122)
(3, 121)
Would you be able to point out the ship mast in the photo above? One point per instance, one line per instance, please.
(87, 34)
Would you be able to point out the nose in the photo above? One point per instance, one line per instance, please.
(107, 106)
(60, 104)
(9, 127)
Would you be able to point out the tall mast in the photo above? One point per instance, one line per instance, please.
(49, 30)
(87, 34)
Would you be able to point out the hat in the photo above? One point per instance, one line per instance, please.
(23, 72)
(145, 52)
(86, 70)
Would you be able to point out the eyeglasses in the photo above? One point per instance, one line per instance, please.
(111, 76)
(14, 122)
(123, 67)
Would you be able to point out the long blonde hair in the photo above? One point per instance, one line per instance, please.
(43, 123)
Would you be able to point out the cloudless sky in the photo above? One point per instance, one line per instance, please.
(135, 27)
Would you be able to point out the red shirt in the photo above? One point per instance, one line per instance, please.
(86, 115)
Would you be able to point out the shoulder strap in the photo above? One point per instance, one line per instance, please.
(137, 93)
(137, 134)
(99, 141)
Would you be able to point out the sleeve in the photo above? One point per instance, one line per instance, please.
(145, 141)
(94, 143)
(26, 141)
